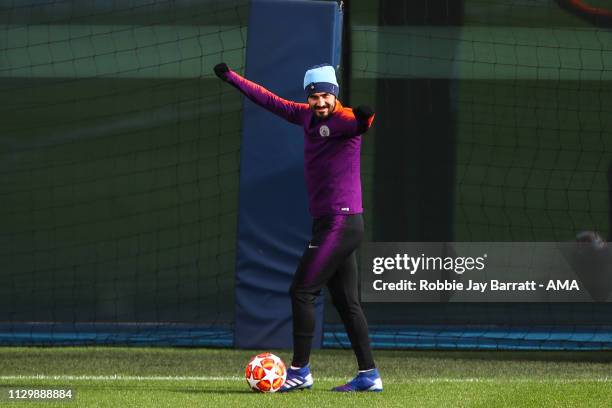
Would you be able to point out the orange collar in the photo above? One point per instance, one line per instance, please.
(338, 106)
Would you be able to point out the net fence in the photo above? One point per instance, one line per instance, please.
(119, 169)
(119, 161)
(493, 124)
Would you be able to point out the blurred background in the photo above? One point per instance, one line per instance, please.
(119, 158)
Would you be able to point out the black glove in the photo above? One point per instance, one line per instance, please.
(221, 69)
(363, 112)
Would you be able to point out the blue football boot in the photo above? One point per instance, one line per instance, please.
(297, 379)
(365, 381)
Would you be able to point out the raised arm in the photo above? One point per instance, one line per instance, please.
(364, 116)
(288, 110)
(354, 122)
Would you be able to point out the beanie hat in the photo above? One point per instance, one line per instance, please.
(321, 78)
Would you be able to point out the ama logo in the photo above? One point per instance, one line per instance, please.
(562, 285)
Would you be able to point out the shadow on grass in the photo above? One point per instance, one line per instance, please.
(208, 391)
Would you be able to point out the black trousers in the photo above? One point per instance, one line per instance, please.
(330, 260)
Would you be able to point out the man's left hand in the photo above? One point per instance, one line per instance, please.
(363, 112)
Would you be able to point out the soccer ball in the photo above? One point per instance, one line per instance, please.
(265, 373)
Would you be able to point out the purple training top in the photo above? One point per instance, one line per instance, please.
(332, 148)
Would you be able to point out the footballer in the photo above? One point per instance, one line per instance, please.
(332, 145)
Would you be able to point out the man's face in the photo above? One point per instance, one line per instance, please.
(322, 104)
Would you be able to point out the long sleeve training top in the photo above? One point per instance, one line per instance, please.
(332, 148)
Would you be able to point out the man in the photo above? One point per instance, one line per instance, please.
(332, 143)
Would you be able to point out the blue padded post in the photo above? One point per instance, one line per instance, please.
(285, 38)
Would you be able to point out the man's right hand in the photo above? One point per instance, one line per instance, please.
(221, 70)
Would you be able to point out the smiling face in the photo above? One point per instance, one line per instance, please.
(322, 104)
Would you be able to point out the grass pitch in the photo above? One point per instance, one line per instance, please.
(167, 377)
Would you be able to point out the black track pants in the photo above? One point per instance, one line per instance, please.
(330, 260)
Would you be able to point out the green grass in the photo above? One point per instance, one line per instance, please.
(167, 377)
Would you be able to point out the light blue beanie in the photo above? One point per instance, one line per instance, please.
(321, 78)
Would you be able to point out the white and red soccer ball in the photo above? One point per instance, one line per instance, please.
(265, 373)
